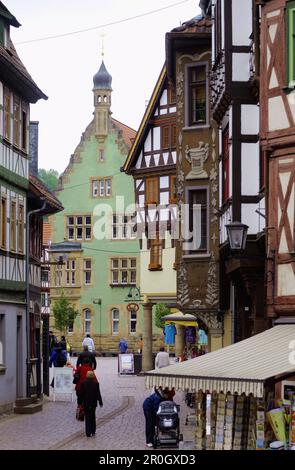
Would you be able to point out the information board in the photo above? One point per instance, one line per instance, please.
(63, 381)
(126, 363)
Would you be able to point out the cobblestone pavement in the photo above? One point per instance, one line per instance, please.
(120, 423)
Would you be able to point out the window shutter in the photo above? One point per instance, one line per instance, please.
(173, 190)
(165, 136)
(156, 253)
(151, 191)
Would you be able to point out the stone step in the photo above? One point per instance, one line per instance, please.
(25, 401)
(28, 409)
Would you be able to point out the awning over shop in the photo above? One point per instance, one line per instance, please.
(179, 318)
(243, 367)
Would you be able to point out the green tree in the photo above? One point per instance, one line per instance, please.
(160, 311)
(49, 178)
(64, 314)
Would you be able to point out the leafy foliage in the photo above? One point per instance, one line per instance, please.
(49, 178)
(160, 311)
(64, 314)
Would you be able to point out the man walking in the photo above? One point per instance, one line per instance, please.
(88, 341)
(90, 395)
(162, 359)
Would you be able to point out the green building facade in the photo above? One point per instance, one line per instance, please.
(94, 251)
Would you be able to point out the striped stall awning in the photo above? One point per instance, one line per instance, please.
(243, 367)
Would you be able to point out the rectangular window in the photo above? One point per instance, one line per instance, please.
(217, 22)
(108, 187)
(173, 135)
(21, 229)
(87, 321)
(101, 188)
(165, 131)
(171, 95)
(156, 252)
(13, 226)
(94, 188)
(197, 85)
(79, 227)
(122, 227)
(87, 271)
(101, 155)
(291, 43)
(115, 321)
(7, 110)
(16, 120)
(151, 191)
(198, 220)
(3, 220)
(133, 321)
(24, 124)
(71, 272)
(71, 327)
(225, 164)
(123, 271)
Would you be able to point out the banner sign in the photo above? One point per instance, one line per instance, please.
(126, 363)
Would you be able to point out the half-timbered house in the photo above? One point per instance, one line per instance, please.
(152, 163)
(17, 91)
(277, 111)
(235, 69)
(188, 57)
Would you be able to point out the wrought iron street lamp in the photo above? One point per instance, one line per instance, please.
(237, 235)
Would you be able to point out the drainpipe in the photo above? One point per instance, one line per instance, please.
(36, 211)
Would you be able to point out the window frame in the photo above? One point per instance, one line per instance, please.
(154, 192)
(7, 114)
(87, 321)
(3, 220)
(132, 320)
(199, 252)
(12, 228)
(75, 226)
(115, 321)
(225, 157)
(188, 87)
(156, 253)
(87, 270)
(120, 269)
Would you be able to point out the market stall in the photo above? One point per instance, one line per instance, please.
(242, 401)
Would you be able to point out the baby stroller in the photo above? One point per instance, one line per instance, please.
(167, 424)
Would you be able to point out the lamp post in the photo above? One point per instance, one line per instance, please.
(237, 235)
(97, 301)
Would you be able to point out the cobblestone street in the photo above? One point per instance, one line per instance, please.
(120, 423)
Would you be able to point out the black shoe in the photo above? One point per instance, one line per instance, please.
(88, 435)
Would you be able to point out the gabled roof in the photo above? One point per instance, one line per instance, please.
(53, 205)
(128, 133)
(5, 13)
(143, 128)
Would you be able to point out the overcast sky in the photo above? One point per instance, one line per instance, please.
(64, 67)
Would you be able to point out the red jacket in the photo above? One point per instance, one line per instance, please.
(83, 372)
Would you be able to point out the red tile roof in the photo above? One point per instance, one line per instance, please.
(53, 204)
(127, 132)
(195, 25)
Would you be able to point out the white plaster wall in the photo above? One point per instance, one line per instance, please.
(148, 143)
(277, 117)
(157, 138)
(241, 22)
(250, 169)
(240, 67)
(163, 100)
(249, 119)
(158, 282)
(250, 217)
(286, 280)
(230, 166)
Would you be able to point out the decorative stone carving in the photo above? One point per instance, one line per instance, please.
(212, 285)
(197, 157)
(211, 320)
(183, 292)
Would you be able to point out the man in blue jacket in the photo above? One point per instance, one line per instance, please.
(150, 408)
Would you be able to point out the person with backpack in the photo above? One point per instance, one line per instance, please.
(58, 358)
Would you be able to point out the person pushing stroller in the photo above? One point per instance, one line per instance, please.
(150, 408)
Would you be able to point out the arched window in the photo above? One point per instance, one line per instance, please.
(105, 99)
(115, 321)
(99, 99)
(87, 321)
